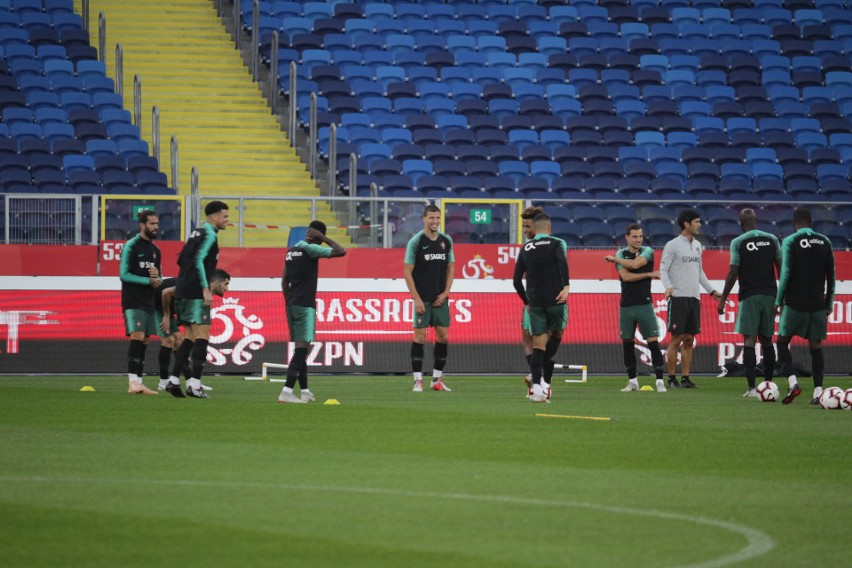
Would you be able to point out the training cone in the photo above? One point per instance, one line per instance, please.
(332, 402)
(646, 388)
(87, 388)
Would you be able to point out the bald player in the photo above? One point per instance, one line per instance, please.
(755, 258)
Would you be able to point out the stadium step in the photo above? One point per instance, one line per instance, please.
(190, 69)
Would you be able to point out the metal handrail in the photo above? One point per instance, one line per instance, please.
(292, 105)
(195, 199)
(102, 37)
(85, 14)
(155, 132)
(353, 183)
(237, 24)
(332, 159)
(119, 69)
(174, 163)
(255, 38)
(273, 73)
(374, 193)
(137, 101)
(312, 129)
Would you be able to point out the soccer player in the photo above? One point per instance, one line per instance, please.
(544, 261)
(755, 256)
(219, 281)
(682, 275)
(193, 296)
(428, 272)
(170, 336)
(299, 285)
(805, 298)
(526, 339)
(635, 265)
(140, 277)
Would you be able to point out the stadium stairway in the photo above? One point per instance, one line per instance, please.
(190, 69)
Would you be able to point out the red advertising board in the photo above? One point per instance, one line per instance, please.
(356, 332)
(364, 312)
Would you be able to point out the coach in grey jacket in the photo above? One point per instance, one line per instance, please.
(683, 277)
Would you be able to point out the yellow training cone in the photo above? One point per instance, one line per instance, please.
(87, 388)
(332, 401)
(646, 388)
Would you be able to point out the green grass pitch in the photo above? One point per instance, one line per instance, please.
(394, 478)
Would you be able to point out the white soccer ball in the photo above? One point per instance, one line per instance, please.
(846, 400)
(830, 398)
(767, 391)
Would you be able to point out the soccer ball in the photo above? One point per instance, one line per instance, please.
(767, 391)
(846, 400)
(830, 398)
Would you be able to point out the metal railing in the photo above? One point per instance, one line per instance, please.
(137, 101)
(292, 105)
(255, 39)
(379, 208)
(155, 132)
(102, 37)
(174, 163)
(370, 221)
(119, 69)
(332, 159)
(237, 24)
(312, 136)
(273, 73)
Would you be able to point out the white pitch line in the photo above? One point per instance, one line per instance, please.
(759, 543)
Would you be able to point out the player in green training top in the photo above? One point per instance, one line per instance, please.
(528, 227)
(544, 261)
(140, 277)
(635, 264)
(193, 296)
(428, 272)
(805, 298)
(170, 336)
(755, 256)
(299, 285)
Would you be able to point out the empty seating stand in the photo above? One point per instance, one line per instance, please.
(59, 111)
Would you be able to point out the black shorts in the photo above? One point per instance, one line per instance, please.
(684, 316)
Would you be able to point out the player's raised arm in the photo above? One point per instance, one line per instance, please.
(628, 263)
(337, 250)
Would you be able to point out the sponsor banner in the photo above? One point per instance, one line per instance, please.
(79, 331)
